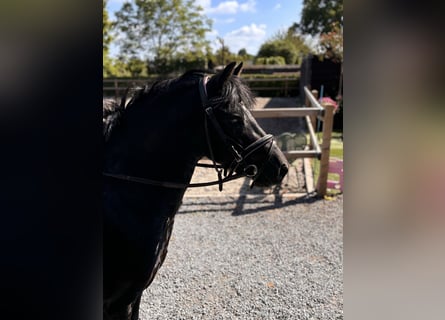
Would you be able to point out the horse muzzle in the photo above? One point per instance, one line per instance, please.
(274, 170)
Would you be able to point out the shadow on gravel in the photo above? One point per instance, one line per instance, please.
(241, 203)
(245, 203)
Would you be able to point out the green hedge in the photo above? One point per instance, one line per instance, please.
(277, 60)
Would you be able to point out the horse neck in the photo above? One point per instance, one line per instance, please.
(161, 141)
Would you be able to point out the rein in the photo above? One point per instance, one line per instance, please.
(239, 157)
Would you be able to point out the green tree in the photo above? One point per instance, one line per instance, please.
(106, 40)
(317, 16)
(106, 27)
(222, 54)
(278, 48)
(242, 52)
(284, 44)
(331, 43)
(159, 30)
(121, 68)
(244, 56)
(136, 66)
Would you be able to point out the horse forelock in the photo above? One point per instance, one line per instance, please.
(235, 92)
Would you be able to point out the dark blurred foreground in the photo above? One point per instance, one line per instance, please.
(50, 240)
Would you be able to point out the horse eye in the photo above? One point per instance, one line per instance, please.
(236, 118)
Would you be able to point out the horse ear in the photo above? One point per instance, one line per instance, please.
(217, 81)
(227, 72)
(238, 69)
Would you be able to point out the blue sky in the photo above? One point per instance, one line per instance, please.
(242, 23)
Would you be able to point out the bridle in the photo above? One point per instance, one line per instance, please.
(240, 155)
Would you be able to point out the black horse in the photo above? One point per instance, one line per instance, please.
(152, 145)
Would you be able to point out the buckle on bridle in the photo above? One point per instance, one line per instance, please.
(236, 155)
(251, 174)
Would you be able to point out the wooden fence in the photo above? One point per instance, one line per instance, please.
(312, 111)
(286, 86)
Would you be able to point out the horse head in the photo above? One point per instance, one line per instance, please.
(240, 144)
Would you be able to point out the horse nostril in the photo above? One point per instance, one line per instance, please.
(283, 170)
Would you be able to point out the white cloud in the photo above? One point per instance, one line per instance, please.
(227, 7)
(248, 6)
(224, 21)
(249, 37)
(277, 6)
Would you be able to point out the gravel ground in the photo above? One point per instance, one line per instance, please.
(245, 257)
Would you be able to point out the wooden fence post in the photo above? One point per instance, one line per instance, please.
(307, 102)
(313, 118)
(328, 121)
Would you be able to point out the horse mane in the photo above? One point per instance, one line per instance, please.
(233, 92)
(111, 116)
